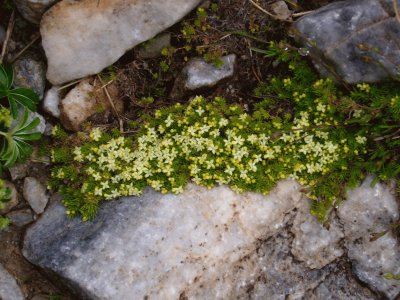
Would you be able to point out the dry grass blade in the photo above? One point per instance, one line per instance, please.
(275, 17)
(8, 35)
(104, 86)
(396, 10)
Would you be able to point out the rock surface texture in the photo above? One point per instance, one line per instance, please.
(366, 212)
(30, 73)
(9, 289)
(353, 40)
(81, 38)
(215, 244)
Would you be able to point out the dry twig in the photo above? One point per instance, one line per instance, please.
(69, 84)
(267, 12)
(396, 10)
(8, 35)
(104, 86)
(275, 17)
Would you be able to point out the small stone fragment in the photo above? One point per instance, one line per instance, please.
(13, 201)
(153, 47)
(85, 100)
(281, 10)
(369, 211)
(30, 73)
(199, 74)
(20, 218)
(52, 101)
(32, 10)
(49, 129)
(9, 289)
(314, 244)
(35, 194)
(19, 171)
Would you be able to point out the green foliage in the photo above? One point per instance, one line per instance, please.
(390, 276)
(4, 222)
(15, 144)
(305, 128)
(146, 101)
(23, 96)
(195, 33)
(15, 127)
(5, 196)
(210, 142)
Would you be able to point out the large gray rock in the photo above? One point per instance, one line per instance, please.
(202, 244)
(162, 246)
(355, 41)
(366, 212)
(9, 289)
(81, 38)
(32, 10)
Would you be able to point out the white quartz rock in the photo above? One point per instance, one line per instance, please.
(81, 38)
(366, 212)
(160, 246)
(51, 102)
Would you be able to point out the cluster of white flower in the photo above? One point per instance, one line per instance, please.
(210, 148)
